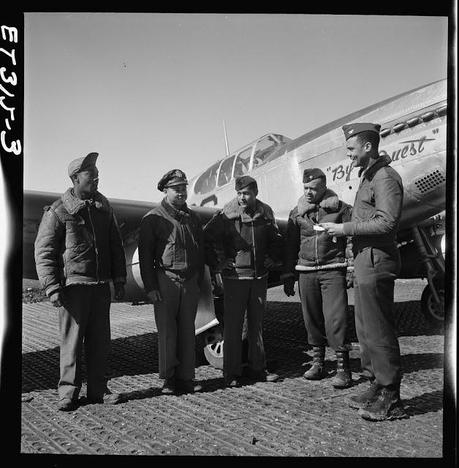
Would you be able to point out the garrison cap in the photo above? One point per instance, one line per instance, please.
(173, 177)
(353, 129)
(82, 164)
(243, 181)
(314, 173)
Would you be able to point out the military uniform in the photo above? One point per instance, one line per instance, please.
(171, 259)
(373, 227)
(78, 250)
(245, 238)
(320, 263)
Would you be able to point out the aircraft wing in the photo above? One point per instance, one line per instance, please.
(128, 213)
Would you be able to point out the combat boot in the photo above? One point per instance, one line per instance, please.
(365, 398)
(343, 377)
(317, 370)
(386, 406)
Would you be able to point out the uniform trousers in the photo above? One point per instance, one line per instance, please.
(323, 296)
(375, 271)
(84, 318)
(175, 315)
(241, 295)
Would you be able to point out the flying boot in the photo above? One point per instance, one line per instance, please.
(317, 370)
(343, 377)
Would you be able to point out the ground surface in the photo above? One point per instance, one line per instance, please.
(291, 417)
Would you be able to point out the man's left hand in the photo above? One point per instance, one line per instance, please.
(333, 229)
(119, 291)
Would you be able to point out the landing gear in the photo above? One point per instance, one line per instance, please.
(212, 340)
(433, 296)
(433, 308)
(213, 347)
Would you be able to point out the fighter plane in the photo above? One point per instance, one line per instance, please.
(413, 133)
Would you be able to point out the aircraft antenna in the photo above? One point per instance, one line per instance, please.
(226, 138)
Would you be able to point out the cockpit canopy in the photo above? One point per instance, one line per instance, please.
(242, 161)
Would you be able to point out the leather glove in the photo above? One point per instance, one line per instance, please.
(289, 286)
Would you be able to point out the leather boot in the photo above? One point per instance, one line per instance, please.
(317, 370)
(365, 398)
(386, 406)
(343, 377)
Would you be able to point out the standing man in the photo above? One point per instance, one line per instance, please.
(246, 234)
(171, 259)
(321, 263)
(373, 227)
(78, 250)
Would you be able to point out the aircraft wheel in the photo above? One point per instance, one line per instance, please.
(432, 311)
(213, 347)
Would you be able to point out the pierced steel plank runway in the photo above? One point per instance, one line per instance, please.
(291, 417)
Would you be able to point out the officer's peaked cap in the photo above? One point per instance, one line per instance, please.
(171, 178)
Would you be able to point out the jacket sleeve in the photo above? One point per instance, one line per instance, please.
(49, 246)
(388, 193)
(214, 239)
(118, 258)
(292, 246)
(147, 243)
(276, 240)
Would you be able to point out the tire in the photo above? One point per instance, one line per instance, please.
(434, 313)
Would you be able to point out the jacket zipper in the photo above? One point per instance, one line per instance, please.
(95, 243)
(254, 252)
(316, 238)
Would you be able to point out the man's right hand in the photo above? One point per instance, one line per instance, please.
(154, 296)
(289, 286)
(226, 264)
(56, 299)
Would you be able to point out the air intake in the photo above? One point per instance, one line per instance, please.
(430, 181)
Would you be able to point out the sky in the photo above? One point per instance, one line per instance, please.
(149, 92)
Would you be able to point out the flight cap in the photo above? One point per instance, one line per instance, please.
(353, 129)
(171, 178)
(313, 173)
(243, 181)
(82, 164)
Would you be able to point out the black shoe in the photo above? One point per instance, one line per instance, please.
(187, 386)
(168, 386)
(67, 404)
(385, 407)
(261, 376)
(367, 397)
(232, 382)
(109, 398)
(114, 398)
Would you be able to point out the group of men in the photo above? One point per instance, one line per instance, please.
(79, 250)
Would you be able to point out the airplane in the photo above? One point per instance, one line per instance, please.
(413, 133)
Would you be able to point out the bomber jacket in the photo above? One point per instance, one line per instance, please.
(377, 206)
(307, 249)
(245, 238)
(79, 242)
(170, 240)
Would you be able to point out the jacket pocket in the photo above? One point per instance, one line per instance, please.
(243, 259)
(168, 255)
